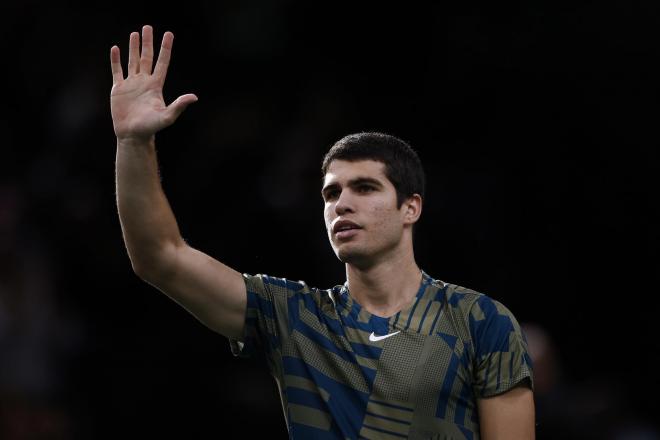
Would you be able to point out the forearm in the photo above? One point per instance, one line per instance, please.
(147, 221)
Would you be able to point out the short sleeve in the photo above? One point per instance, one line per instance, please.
(502, 359)
(266, 315)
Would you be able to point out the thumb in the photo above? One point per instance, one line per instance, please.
(178, 106)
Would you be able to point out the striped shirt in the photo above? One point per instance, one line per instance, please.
(344, 373)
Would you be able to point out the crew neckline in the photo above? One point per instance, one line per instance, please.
(355, 309)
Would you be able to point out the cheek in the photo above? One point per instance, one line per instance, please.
(328, 215)
(385, 216)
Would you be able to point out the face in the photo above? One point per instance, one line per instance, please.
(361, 213)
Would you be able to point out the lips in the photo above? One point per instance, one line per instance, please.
(344, 225)
(343, 229)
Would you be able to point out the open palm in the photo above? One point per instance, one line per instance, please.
(136, 102)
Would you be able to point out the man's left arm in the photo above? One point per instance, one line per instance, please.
(504, 381)
(509, 415)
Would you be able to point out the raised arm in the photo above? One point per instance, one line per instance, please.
(211, 291)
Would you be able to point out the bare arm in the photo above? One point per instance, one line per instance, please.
(208, 289)
(508, 416)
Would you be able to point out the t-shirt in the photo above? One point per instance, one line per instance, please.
(344, 373)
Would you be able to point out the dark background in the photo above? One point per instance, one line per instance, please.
(537, 126)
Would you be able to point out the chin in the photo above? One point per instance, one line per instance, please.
(351, 255)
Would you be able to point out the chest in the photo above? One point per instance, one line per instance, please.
(426, 375)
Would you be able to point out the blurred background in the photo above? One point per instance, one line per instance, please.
(536, 123)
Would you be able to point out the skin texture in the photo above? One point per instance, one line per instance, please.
(380, 265)
(360, 192)
(507, 416)
(211, 291)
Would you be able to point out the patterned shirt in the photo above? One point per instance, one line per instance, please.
(344, 373)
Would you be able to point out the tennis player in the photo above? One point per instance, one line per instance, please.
(390, 352)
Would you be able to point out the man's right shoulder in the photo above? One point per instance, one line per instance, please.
(284, 291)
(282, 286)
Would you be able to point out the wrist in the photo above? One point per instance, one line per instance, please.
(136, 142)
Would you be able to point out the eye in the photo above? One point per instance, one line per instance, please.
(330, 194)
(365, 188)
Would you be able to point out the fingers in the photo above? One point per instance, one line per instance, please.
(147, 56)
(134, 54)
(160, 71)
(141, 61)
(115, 65)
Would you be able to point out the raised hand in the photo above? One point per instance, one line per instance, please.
(136, 102)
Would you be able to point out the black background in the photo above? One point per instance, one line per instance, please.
(536, 124)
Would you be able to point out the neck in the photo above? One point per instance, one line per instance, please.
(386, 287)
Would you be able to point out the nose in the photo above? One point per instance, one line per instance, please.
(344, 203)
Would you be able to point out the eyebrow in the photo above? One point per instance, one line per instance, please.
(353, 183)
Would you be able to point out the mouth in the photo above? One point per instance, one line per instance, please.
(343, 229)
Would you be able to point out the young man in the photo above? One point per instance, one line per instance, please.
(392, 353)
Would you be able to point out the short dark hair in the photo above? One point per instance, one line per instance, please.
(402, 165)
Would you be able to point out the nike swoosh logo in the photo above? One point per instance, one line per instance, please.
(374, 338)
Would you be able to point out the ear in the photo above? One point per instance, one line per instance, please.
(412, 209)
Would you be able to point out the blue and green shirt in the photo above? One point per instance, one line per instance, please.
(344, 373)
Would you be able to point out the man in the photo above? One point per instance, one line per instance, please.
(392, 353)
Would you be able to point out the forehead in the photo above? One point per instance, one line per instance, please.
(343, 171)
